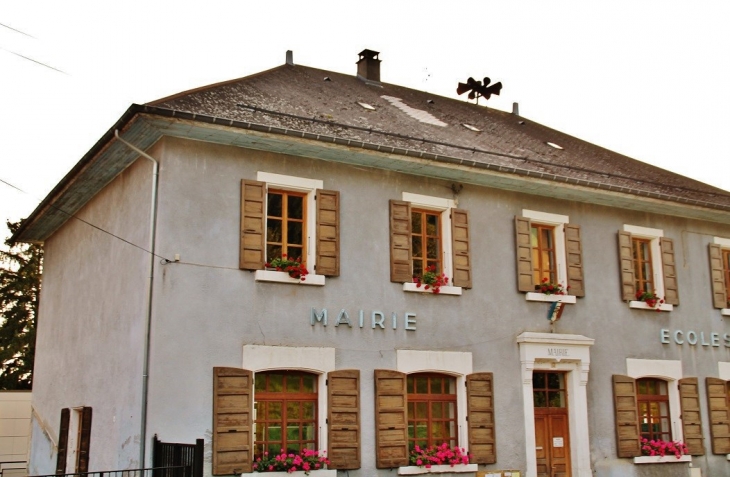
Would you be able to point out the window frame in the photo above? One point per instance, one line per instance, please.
(649, 399)
(724, 244)
(285, 221)
(444, 207)
(653, 236)
(430, 398)
(308, 187)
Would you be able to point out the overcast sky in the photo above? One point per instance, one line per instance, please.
(649, 79)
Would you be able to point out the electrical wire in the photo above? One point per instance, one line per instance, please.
(16, 30)
(34, 61)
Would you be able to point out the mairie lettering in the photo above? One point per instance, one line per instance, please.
(377, 319)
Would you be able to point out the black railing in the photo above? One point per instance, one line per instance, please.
(171, 471)
(168, 455)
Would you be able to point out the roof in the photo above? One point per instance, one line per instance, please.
(318, 105)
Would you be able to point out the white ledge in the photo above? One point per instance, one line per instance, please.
(533, 296)
(411, 287)
(725, 312)
(641, 305)
(298, 473)
(283, 277)
(437, 469)
(657, 459)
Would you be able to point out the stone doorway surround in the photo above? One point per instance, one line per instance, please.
(558, 352)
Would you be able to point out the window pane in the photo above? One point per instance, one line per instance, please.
(273, 411)
(308, 432)
(421, 385)
(555, 381)
(418, 268)
(533, 237)
(292, 433)
(538, 380)
(273, 205)
(539, 399)
(276, 383)
(432, 225)
(274, 433)
(432, 249)
(307, 410)
(294, 253)
(260, 382)
(295, 207)
(273, 230)
(416, 244)
(451, 411)
(437, 410)
(272, 252)
(421, 410)
(292, 411)
(293, 384)
(294, 233)
(437, 386)
(308, 383)
(411, 430)
(416, 222)
(547, 238)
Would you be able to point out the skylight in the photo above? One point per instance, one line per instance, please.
(366, 106)
(552, 144)
(471, 128)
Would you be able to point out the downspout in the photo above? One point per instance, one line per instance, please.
(151, 248)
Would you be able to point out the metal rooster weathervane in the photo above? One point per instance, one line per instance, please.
(477, 89)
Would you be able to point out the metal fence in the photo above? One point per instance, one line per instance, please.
(170, 471)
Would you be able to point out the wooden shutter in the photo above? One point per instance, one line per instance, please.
(63, 441)
(480, 418)
(717, 400)
(689, 397)
(84, 440)
(343, 399)
(460, 248)
(328, 233)
(669, 267)
(626, 266)
(253, 223)
(525, 282)
(574, 259)
(400, 242)
(391, 433)
(719, 292)
(232, 420)
(628, 438)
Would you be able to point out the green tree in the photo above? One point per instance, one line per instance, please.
(20, 284)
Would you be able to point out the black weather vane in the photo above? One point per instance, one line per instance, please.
(477, 89)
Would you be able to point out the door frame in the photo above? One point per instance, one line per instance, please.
(547, 413)
(558, 352)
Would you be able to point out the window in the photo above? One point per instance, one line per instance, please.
(647, 263)
(653, 401)
(720, 274)
(431, 410)
(429, 232)
(548, 248)
(293, 216)
(286, 412)
(74, 440)
(548, 390)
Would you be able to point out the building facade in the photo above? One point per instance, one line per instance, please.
(169, 316)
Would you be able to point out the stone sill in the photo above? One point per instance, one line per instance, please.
(725, 312)
(437, 469)
(640, 305)
(411, 287)
(298, 473)
(657, 459)
(532, 296)
(283, 277)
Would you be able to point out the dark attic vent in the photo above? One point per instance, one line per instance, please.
(478, 90)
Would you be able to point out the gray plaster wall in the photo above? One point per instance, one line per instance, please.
(206, 309)
(90, 326)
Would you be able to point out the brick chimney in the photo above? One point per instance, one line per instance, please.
(368, 67)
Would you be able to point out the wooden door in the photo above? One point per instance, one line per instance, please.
(552, 439)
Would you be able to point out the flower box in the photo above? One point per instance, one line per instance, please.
(533, 296)
(437, 469)
(657, 459)
(298, 473)
(443, 290)
(725, 312)
(642, 305)
(283, 277)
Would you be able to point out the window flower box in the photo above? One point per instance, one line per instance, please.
(533, 296)
(642, 305)
(298, 473)
(443, 290)
(437, 469)
(725, 312)
(657, 459)
(283, 277)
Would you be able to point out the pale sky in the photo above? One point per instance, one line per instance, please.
(649, 79)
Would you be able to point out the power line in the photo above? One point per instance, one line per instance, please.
(86, 222)
(16, 30)
(34, 61)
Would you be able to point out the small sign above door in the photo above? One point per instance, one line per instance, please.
(557, 442)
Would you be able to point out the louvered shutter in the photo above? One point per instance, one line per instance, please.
(628, 438)
(717, 400)
(719, 292)
(480, 417)
(84, 440)
(525, 282)
(232, 420)
(63, 441)
(460, 248)
(574, 259)
(626, 266)
(669, 267)
(253, 223)
(400, 242)
(328, 233)
(391, 433)
(689, 395)
(343, 399)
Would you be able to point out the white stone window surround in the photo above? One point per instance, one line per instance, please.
(535, 354)
(309, 187)
(453, 363)
(444, 206)
(671, 372)
(656, 264)
(724, 243)
(558, 222)
(320, 361)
